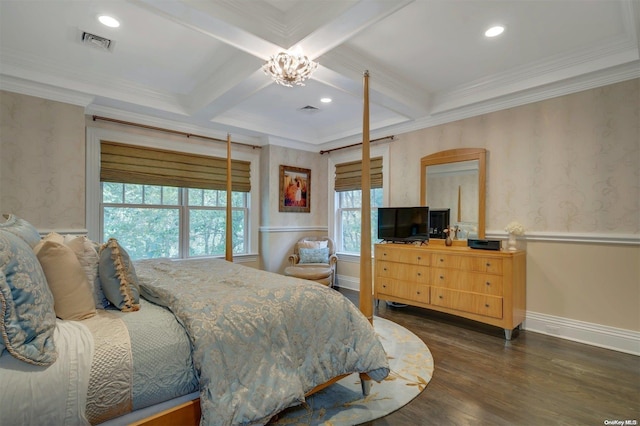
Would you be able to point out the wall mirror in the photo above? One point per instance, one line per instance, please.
(455, 180)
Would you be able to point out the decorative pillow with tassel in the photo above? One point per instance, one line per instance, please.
(118, 277)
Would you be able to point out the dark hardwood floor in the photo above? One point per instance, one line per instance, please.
(482, 379)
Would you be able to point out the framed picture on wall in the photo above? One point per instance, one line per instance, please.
(295, 189)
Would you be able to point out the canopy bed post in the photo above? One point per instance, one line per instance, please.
(366, 294)
(228, 252)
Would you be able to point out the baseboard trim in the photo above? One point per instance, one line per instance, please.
(603, 336)
(345, 281)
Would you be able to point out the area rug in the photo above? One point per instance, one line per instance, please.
(343, 404)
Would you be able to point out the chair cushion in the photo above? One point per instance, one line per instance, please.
(308, 272)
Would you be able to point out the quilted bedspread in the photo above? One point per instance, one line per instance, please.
(260, 340)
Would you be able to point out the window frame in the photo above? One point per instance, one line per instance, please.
(380, 149)
(93, 192)
(184, 207)
(339, 221)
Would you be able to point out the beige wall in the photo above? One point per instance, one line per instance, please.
(566, 168)
(42, 157)
(280, 230)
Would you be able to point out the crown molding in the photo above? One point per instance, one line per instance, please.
(29, 88)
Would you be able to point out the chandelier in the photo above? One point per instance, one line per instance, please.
(289, 68)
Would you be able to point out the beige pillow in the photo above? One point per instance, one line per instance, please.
(72, 294)
(313, 244)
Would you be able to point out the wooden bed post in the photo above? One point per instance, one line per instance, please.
(366, 293)
(228, 251)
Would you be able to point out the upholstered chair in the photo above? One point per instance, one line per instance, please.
(314, 258)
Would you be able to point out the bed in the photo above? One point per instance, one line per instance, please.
(90, 337)
(247, 343)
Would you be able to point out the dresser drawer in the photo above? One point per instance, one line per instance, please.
(402, 289)
(488, 265)
(481, 304)
(441, 260)
(402, 272)
(411, 256)
(468, 263)
(469, 281)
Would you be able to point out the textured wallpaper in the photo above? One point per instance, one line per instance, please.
(42, 161)
(295, 158)
(569, 164)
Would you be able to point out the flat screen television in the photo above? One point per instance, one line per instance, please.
(403, 224)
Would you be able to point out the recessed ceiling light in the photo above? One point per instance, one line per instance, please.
(109, 21)
(494, 31)
(325, 100)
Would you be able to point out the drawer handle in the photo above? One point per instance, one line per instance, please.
(384, 286)
(384, 269)
(440, 296)
(488, 264)
(441, 260)
(419, 258)
(418, 292)
(486, 305)
(384, 254)
(442, 277)
(488, 283)
(419, 274)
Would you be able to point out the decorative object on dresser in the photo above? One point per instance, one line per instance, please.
(514, 229)
(481, 285)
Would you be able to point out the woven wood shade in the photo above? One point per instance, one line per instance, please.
(348, 175)
(150, 166)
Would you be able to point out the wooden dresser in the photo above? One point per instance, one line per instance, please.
(482, 285)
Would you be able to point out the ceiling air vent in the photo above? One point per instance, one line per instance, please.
(97, 41)
(309, 109)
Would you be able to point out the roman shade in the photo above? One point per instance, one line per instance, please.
(348, 175)
(150, 166)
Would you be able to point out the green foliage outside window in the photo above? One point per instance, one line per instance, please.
(350, 203)
(149, 220)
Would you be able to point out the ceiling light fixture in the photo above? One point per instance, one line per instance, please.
(109, 21)
(494, 31)
(325, 100)
(289, 68)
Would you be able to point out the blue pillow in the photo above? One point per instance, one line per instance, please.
(314, 255)
(118, 277)
(27, 318)
(22, 229)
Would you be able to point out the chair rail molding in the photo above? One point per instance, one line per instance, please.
(268, 229)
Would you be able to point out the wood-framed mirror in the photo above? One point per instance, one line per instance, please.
(454, 181)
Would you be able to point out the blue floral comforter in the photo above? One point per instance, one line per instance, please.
(260, 340)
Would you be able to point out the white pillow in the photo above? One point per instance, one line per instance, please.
(313, 244)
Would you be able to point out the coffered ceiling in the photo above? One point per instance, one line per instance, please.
(195, 65)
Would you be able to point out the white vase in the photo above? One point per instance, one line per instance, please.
(511, 243)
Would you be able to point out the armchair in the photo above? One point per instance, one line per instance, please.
(314, 258)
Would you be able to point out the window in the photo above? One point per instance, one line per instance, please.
(348, 201)
(162, 221)
(349, 204)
